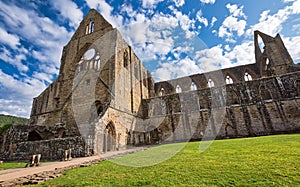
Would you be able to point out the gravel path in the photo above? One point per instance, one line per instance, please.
(47, 171)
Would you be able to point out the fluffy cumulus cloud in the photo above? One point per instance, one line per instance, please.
(211, 59)
(15, 60)
(17, 94)
(213, 21)
(179, 3)
(201, 18)
(152, 34)
(186, 23)
(177, 68)
(10, 39)
(272, 24)
(106, 10)
(290, 43)
(32, 36)
(39, 30)
(235, 23)
(69, 10)
(15, 107)
(205, 60)
(208, 1)
(150, 4)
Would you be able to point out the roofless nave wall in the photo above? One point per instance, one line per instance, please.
(104, 99)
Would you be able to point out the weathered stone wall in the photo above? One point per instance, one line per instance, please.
(132, 81)
(259, 107)
(21, 141)
(49, 149)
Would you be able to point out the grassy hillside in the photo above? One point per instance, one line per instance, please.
(7, 121)
(260, 161)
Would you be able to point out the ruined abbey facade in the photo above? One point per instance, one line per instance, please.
(104, 99)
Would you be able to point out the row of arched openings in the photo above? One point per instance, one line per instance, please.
(210, 84)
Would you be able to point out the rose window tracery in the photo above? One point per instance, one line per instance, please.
(90, 60)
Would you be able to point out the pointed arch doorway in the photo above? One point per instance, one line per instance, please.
(109, 139)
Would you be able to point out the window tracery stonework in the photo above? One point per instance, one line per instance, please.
(90, 60)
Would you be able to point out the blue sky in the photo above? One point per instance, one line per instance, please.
(173, 38)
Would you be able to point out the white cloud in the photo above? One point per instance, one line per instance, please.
(208, 1)
(210, 59)
(182, 49)
(220, 57)
(179, 3)
(227, 48)
(234, 23)
(69, 10)
(154, 36)
(15, 107)
(150, 37)
(129, 10)
(296, 7)
(10, 39)
(16, 95)
(213, 21)
(27, 87)
(106, 11)
(240, 55)
(39, 31)
(272, 24)
(43, 76)
(186, 24)
(51, 69)
(201, 19)
(290, 43)
(150, 4)
(177, 68)
(14, 60)
(264, 15)
(236, 11)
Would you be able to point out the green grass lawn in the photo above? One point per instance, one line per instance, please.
(261, 161)
(10, 165)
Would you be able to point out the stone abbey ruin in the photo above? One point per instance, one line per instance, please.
(104, 99)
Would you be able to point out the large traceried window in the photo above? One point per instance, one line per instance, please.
(178, 89)
(210, 83)
(193, 86)
(247, 77)
(228, 80)
(90, 60)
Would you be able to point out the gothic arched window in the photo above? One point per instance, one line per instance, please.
(247, 77)
(193, 86)
(228, 80)
(90, 28)
(162, 92)
(210, 83)
(178, 89)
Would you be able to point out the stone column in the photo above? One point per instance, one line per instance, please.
(105, 140)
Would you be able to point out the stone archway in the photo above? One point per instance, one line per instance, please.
(34, 136)
(109, 139)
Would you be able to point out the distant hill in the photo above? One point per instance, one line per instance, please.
(7, 121)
